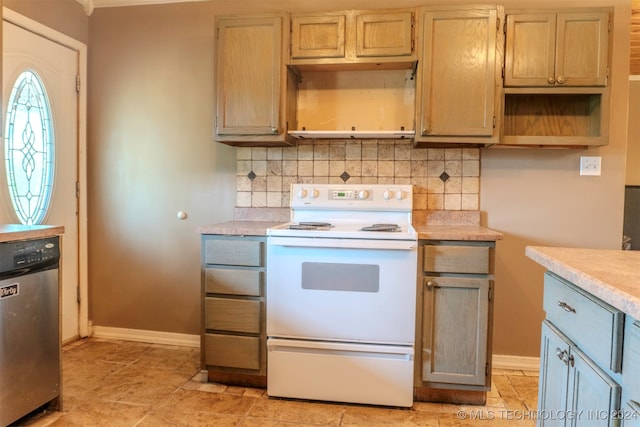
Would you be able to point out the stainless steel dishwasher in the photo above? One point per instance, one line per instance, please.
(29, 327)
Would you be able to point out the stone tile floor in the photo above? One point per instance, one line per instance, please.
(119, 383)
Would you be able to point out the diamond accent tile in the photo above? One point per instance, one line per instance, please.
(444, 176)
(251, 175)
(345, 176)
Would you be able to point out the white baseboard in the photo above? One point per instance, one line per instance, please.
(153, 337)
(521, 363)
(499, 361)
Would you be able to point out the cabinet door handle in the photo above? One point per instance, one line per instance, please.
(564, 356)
(566, 307)
(432, 285)
(274, 130)
(560, 80)
(551, 80)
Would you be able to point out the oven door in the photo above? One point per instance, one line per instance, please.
(342, 289)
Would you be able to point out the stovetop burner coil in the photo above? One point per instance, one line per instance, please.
(382, 227)
(309, 225)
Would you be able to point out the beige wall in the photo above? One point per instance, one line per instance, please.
(66, 16)
(151, 155)
(633, 147)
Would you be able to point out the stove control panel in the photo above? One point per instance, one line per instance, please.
(349, 194)
(341, 197)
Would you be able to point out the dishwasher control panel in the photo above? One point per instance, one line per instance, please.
(29, 254)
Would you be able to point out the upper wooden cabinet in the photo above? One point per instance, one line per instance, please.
(556, 70)
(358, 39)
(254, 89)
(563, 49)
(459, 76)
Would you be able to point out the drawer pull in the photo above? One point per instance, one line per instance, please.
(432, 285)
(566, 307)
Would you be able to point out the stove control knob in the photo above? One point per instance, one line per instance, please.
(401, 195)
(314, 194)
(363, 194)
(388, 195)
(302, 193)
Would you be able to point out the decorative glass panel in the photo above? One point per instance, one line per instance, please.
(29, 148)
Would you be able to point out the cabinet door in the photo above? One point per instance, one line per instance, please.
(565, 49)
(594, 396)
(530, 49)
(554, 376)
(249, 62)
(384, 34)
(582, 47)
(318, 36)
(456, 86)
(630, 408)
(455, 328)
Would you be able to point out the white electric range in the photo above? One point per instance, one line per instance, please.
(341, 295)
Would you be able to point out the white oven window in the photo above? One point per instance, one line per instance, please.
(329, 276)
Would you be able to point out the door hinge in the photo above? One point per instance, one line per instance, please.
(490, 294)
(494, 121)
(78, 84)
(486, 370)
(78, 294)
(77, 189)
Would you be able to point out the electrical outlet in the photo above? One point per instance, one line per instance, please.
(590, 165)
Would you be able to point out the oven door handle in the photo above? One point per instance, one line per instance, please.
(305, 242)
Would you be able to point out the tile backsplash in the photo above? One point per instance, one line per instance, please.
(443, 178)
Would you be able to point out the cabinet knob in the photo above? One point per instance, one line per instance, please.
(431, 284)
(551, 80)
(560, 80)
(274, 130)
(562, 355)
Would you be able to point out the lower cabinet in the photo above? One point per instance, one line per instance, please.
(453, 342)
(630, 407)
(233, 343)
(573, 389)
(583, 376)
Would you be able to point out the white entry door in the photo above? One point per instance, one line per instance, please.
(56, 68)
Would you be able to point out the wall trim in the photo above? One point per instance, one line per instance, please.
(517, 363)
(139, 335)
(90, 5)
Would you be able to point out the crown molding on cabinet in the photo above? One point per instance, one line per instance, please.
(89, 5)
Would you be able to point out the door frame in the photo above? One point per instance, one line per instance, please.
(81, 48)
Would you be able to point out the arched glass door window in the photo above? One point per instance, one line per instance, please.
(29, 148)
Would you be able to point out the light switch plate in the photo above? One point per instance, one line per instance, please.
(590, 165)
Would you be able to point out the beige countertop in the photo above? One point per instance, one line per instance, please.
(12, 232)
(238, 228)
(610, 274)
(457, 232)
(431, 232)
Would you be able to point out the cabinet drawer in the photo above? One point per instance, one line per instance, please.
(233, 252)
(234, 282)
(232, 315)
(596, 327)
(456, 259)
(232, 351)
